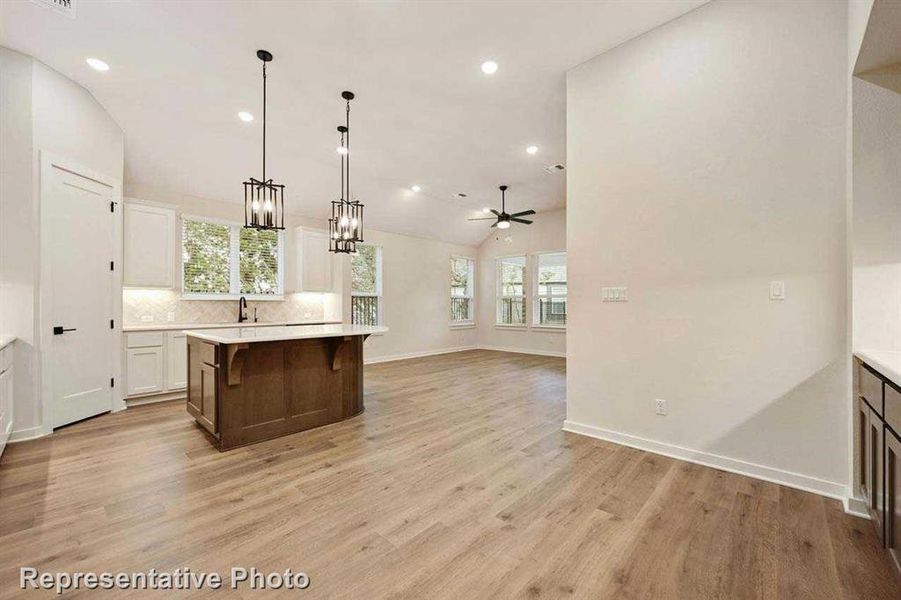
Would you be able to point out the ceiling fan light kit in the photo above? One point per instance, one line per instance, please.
(503, 219)
(264, 200)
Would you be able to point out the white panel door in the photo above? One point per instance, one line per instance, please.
(145, 370)
(78, 230)
(176, 361)
(149, 246)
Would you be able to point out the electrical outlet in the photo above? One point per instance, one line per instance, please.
(614, 294)
(170, 316)
(660, 407)
(777, 290)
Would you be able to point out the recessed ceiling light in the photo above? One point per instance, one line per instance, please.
(415, 188)
(245, 116)
(532, 149)
(489, 67)
(486, 210)
(97, 64)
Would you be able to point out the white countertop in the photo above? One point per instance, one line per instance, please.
(6, 340)
(276, 334)
(170, 326)
(887, 362)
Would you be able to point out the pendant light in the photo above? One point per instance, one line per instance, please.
(264, 200)
(346, 225)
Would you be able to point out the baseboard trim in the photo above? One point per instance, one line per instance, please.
(24, 435)
(524, 351)
(798, 481)
(164, 397)
(856, 506)
(409, 355)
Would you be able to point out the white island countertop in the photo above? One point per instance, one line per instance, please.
(244, 335)
(887, 362)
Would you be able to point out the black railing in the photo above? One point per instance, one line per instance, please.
(511, 311)
(364, 310)
(552, 311)
(460, 309)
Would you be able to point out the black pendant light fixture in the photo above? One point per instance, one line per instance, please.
(345, 228)
(264, 200)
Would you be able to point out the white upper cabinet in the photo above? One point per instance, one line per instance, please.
(314, 261)
(149, 246)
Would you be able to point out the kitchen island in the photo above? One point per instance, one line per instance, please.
(246, 385)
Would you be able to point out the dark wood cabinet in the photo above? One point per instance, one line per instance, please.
(863, 448)
(203, 384)
(893, 497)
(875, 483)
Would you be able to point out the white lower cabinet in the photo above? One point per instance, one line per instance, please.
(155, 362)
(145, 370)
(6, 396)
(176, 361)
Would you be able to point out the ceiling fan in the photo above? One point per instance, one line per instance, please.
(503, 219)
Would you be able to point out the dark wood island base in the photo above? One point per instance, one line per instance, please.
(250, 391)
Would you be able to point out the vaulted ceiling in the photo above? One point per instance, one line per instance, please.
(425, 114)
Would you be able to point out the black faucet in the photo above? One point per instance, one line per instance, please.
(242, 309)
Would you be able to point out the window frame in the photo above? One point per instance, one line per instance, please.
(536, 293)
(234, 266)
(499, 286)
(380, 315)
(471, 321)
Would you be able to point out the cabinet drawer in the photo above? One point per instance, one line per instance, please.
(871, 388)
(6, 358)
(893, 408)
(207, 353)
(144, 339)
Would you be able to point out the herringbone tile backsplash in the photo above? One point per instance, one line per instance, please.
(159, 304)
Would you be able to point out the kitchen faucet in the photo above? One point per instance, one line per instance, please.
(242, 309)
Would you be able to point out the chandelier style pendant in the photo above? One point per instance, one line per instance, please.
(264, 200)
(346, 225)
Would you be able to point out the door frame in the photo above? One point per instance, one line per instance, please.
(48, 160)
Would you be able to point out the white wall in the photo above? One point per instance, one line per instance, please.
(705, 159)
(546, 234)
(415, 297)
(63, 119)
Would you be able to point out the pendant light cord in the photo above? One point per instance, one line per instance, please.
(264, 121)
(347, 121)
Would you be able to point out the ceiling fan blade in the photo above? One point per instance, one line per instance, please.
(494, 224)
(483, 219)
(523, 213)
(515, 220)
(495, 212)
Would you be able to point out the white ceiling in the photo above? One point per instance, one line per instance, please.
(425, 113)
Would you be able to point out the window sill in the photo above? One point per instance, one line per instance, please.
(233, 297)
(513, 327)
(462, 325)
(557, 328)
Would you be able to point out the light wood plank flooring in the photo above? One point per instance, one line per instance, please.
(456, 482)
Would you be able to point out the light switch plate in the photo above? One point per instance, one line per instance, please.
(614, 294)
(777, 290)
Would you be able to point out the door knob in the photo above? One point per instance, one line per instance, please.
(59, 330)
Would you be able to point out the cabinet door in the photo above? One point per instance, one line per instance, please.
(863, 448)
(145, 370)
(314, 272)
(6, 407)
(892, 514)
(149, 246)
(176, 361)
(208, 376)
(876, 483)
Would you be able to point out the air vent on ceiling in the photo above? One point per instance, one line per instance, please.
(555, 168)
(63, 7)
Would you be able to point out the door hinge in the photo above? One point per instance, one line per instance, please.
(112, 382)
(112, 324)
(112, 207)
(112, 265)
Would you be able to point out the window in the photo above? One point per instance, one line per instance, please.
(550, 293)
(366, 285)
(462, 280)
(511, 298)
(224, 260)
